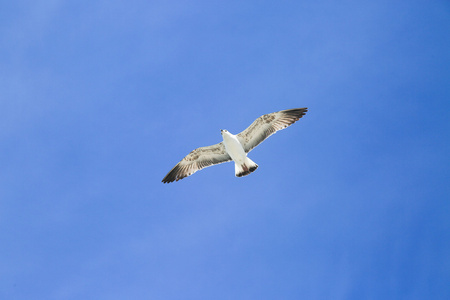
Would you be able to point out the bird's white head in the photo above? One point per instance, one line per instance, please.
(226, 134)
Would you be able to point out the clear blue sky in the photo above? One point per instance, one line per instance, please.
(100, 99)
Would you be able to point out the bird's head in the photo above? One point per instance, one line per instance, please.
(222, 131)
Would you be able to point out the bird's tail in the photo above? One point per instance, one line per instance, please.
(246, 168)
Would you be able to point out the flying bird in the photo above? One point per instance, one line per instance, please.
(235, 147)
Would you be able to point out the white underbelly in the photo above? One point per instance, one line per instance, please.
(234, 149)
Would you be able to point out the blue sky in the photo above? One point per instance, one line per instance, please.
(100, 99)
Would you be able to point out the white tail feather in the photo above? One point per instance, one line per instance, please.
(246, 168)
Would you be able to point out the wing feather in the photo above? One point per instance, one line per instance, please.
(266, 125)
(196, 160)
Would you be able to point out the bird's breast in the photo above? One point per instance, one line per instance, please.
(234, 148)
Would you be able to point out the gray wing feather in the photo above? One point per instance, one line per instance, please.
(196, 160)
(266, 125)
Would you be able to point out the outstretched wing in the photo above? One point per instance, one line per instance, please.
(266, 125)
(196, 160)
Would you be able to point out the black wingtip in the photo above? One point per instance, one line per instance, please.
(297, 111)
(172, 176)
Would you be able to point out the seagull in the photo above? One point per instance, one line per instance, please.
(235, 147)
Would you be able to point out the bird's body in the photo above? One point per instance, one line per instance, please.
(242, 164)
(235, 147)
